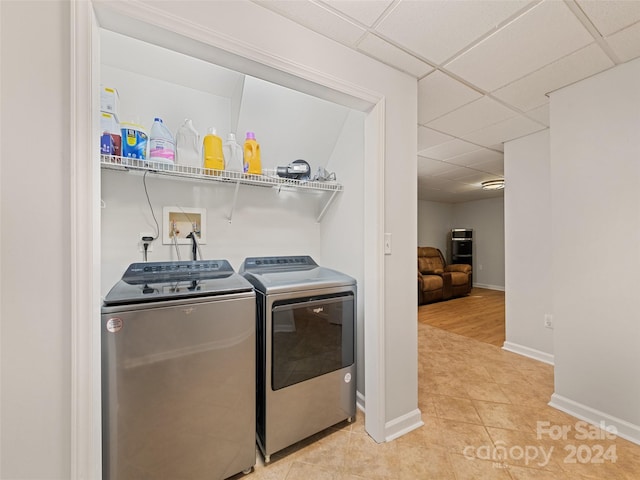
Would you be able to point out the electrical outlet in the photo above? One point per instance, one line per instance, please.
(548, 320)
(141, 242)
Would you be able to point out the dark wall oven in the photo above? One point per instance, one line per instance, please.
(462, 246)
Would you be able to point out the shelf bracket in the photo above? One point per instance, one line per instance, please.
(235, 198)
(326, 206)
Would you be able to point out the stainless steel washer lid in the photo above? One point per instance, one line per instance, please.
(156, 281)
(291, 273)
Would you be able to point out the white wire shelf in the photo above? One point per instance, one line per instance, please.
(268, 179)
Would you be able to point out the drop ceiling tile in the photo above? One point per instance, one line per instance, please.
(462, 188)
(626, 43)
(479, 113)
(504, 131)
(433, 195)
(477, 157)
(465, 180)
(391, 55)
(540, 114)
(316, 18)
(476, 178)
(530, 91)
(478, 194)
(364, 12)
(542, 35)
(611, 16)
(436, 30)
(427, 193)
(454, 192)
(449, 149)
(449, 186)
(428, 166)
(439, 183)
(466, 176)
(494, 167)
(438, 93)
(498, 147)
(428, 138)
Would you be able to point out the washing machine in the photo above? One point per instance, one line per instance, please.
(178, 372)
(306, 370)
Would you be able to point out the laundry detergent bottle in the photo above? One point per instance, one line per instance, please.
(232, 154)
(252, 163)
(188, 145)
(134, 141)
(213, 158)
(162, 145)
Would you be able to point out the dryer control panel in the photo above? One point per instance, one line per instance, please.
(300, 262)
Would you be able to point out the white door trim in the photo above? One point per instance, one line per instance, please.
(374, 301)
(85, 245)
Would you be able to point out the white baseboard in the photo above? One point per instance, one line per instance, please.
(490, 287)
(398, 426)
(403, 425)
(528, 352)
(360, 404)
(624, 429)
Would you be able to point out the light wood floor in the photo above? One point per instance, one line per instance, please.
(480, 316)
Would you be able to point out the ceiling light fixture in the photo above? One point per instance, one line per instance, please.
(493, 185)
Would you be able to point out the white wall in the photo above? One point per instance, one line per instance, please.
(434, 224)
(36, 384)
(595, 219)
(290, 125)
(400, 292)
(35, 401)
(486, 218)
(265, 221)
(528, 246)
(342, 228)
(142, 98)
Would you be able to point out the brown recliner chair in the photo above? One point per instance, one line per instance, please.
(439, 281)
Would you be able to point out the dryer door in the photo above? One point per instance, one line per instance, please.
(310, 337)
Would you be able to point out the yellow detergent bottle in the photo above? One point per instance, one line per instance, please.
(213, 159)
(252, 163)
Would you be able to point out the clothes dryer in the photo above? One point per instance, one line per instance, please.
(306, 371)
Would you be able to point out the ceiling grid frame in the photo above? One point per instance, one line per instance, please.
(616, 18)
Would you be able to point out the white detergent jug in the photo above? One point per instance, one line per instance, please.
(162, 146)
(188, 145)
(232, 154)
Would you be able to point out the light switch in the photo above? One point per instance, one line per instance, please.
(387, 244)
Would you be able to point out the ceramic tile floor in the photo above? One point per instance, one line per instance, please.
(482, 407)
